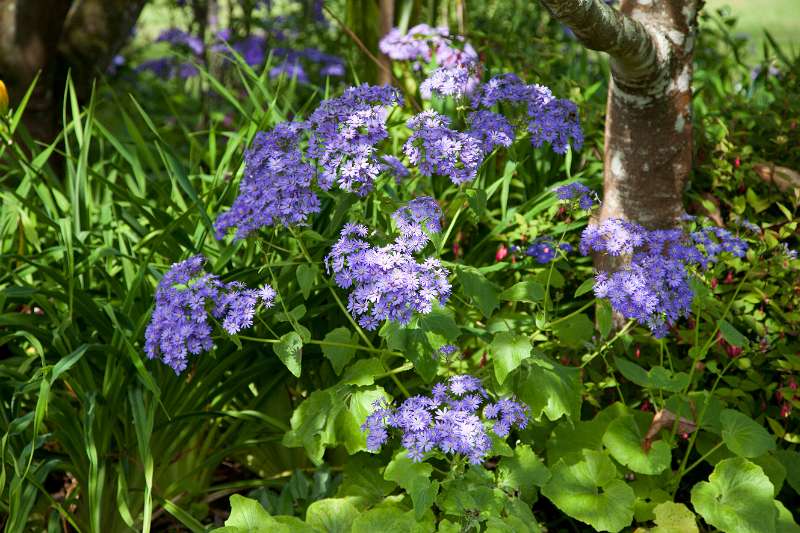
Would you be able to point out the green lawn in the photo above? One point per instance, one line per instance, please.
(780, 17)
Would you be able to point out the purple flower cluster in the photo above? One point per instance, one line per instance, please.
(491, 129)
(446, 420)
(456, 74)
(415, 221)
(446, 350)
(549, 119)
(437, 149)
(653, 287)
(456, 81)
(544, 250)
(749, 226)
(170, 67)
(395, 167)
(388, 282)
(181, 39)
(344, 135)
(418, 44)
(293, 61)
(179, 325)
(276, 187)
(579, 192)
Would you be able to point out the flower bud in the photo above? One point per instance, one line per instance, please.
(3, 98)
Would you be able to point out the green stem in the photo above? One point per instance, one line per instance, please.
(703, 457)
(700, 354)
(449, 230)
(682, 470)
(550, 274)
(608, 343)
(565, 317)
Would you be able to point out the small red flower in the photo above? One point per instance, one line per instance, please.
(714, 283)
(728, 278)
(733, 351)
(501, 253)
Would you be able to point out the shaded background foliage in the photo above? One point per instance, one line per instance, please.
(97, 438)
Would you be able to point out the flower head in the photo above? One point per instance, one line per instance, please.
(437, 149)
(388, 282)
(579, 192)
(653, 287)
(448, 420)
(276, 187)
(184, 297)
(344, 135)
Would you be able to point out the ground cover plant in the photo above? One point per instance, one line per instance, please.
(246, 286)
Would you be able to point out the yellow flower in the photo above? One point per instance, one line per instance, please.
(3, 98)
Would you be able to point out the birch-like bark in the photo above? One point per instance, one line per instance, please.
(648, 134)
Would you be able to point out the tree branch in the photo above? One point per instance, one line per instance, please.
(605, 29)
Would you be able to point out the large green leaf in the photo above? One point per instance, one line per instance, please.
(785, 522)
(508, 351)
(522, 472)
(743, 435)
(472, 492)
(335, 348)
(349, 421)
(332, 515)
(624, 439)
(591, 491)
(674, 518)
(791, 462)
(657, 377)
(550, 389)
(737, 498)
(389, 519)
(415, 479)
(363, 481)
(413, 343)
(440, 321)
(289, 350)
(306, 274)
(330, 417)
(575, 331)
(249, 516)
(481, 290)
(524, 291)
(731, 334)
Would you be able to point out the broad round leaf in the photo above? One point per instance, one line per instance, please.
(624, 438)
(289, 350)
(674, 518)
(743, 435)
(591, 491)
(335, 348)
(332, 515)
(508, 351)
(388, 520)
(737, 498)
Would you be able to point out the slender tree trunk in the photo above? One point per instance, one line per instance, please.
(386, 9)
(648, 135)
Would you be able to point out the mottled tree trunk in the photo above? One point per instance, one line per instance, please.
(29, 34)
(648, 135)
(53, 36)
